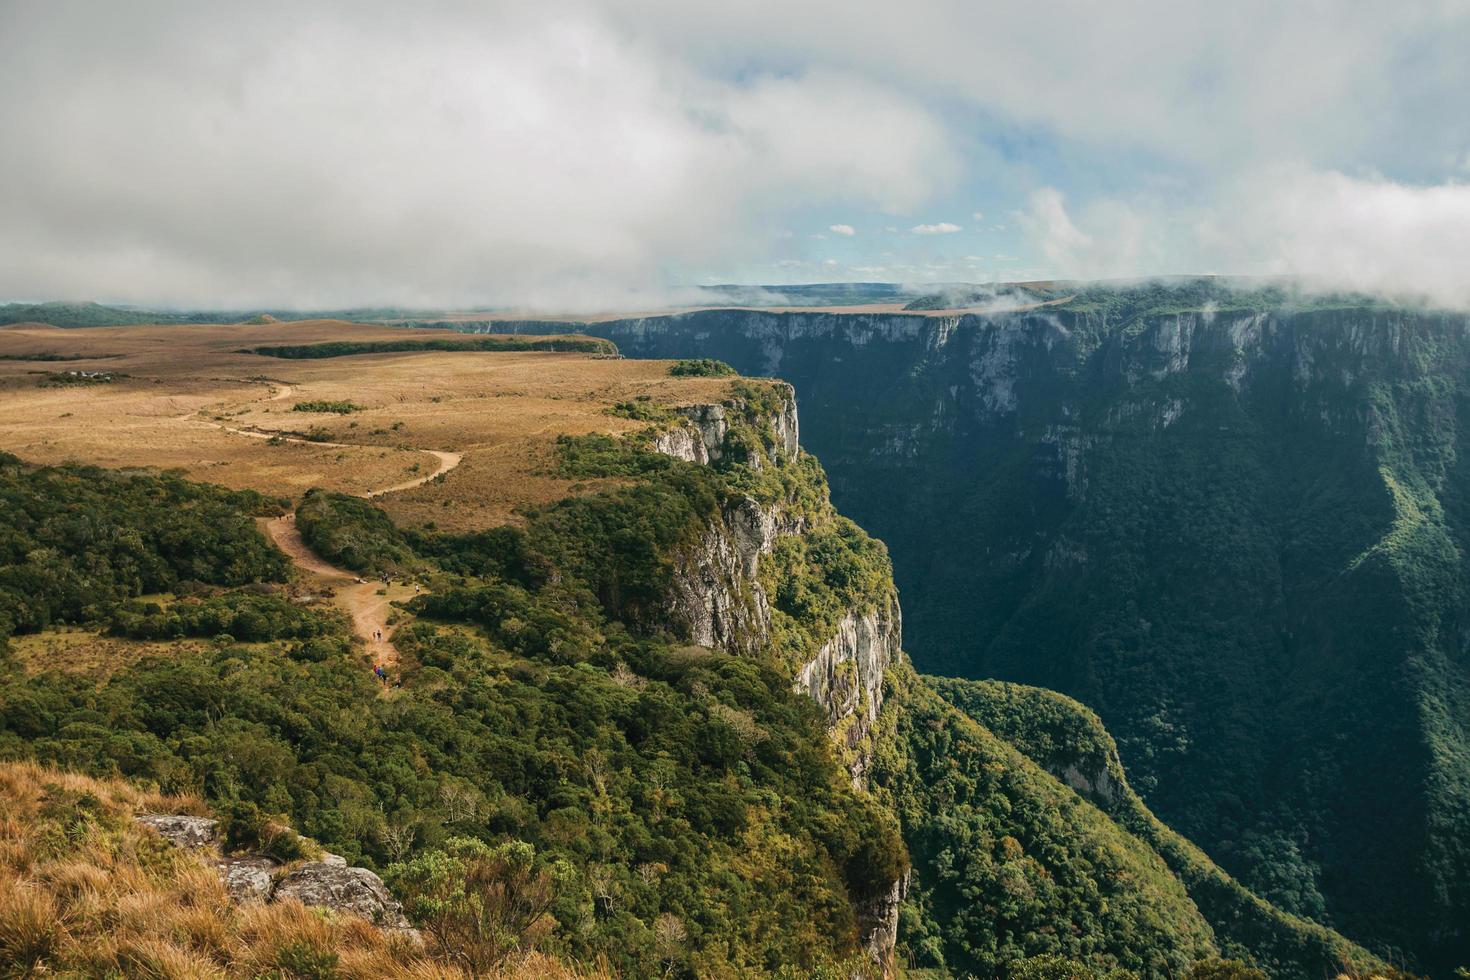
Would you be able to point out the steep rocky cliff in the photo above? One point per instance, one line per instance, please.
(846, 679)
(1235, 524)
(720, 599)
(718, 594)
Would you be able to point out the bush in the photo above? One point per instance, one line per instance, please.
(703, 367)
(241, 615)
(479, 903)
(78, 540)
(335, 408)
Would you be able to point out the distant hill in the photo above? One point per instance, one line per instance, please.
(86, 315)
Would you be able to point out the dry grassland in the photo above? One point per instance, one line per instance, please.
(78, 650)
(85, 891)
(183, 398)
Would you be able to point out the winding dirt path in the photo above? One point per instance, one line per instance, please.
(368, 603)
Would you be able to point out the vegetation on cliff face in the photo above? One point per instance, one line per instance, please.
(1234, 522)
(1011, 864)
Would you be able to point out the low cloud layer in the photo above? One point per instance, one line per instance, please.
(576, 155)
(1329, 229)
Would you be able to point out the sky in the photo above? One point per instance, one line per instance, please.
(576, 156)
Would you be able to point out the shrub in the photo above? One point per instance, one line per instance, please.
(702, 367)
(479, 903)
(335, 408)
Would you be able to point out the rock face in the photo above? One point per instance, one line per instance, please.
(682, 442)
(713, 601)
(183, 831)
(1099, 786)
(256, 879)
(356, 891)
(716, 599)
(878, 921)
(249, 880)
(699, 437)
(846, 678)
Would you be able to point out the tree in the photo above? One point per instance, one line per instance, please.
(479, 903)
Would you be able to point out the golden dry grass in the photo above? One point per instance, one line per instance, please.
(79, 650)
(186, 388)
(85, 891)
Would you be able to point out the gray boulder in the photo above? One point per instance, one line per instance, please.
(248, 879)
(183, 831)
(355, 891)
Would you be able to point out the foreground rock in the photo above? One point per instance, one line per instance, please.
(183, 831)
(256, 879)
(356, 891)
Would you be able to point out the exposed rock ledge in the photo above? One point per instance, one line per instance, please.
(254, 878)
(846, 679)
(716, 595)
(878, 921)
(700, 437)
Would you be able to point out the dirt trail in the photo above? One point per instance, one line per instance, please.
(446, 460)
(368, 603)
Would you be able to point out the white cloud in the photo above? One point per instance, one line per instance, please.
(221, 155)
(561, 152)
(978, 216)
(1214, 85)
(1362, 233)
(1333, 230)
(847, 230)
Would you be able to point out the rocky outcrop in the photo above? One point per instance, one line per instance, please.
(716, 597)
(711, 599)
(846, 679)
(682, 442)
(184, 831)
(354, 891)
(249, 880)
(1097, 785)
(701, 432)
(877, 918)
(329, 883)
